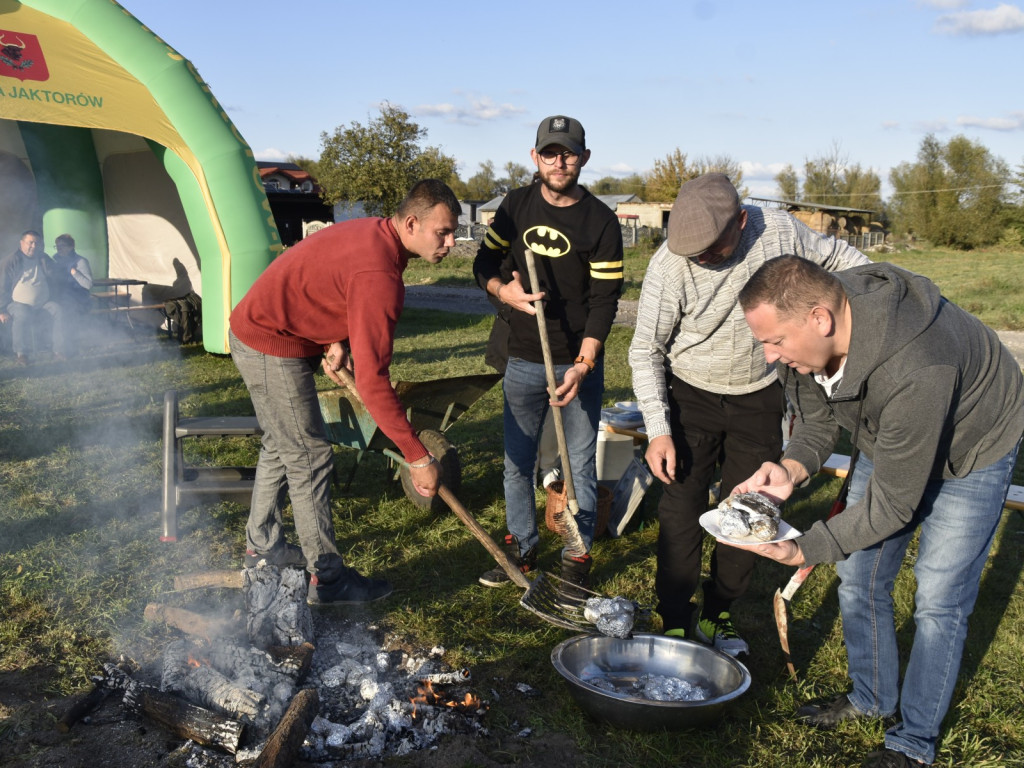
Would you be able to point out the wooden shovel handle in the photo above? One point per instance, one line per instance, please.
(484, 538)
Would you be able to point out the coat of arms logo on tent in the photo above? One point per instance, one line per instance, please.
(21, 56)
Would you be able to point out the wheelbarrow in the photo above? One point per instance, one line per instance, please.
(431, 407)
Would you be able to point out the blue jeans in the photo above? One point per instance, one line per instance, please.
(526, 406)
(295, 458)
(958, 520)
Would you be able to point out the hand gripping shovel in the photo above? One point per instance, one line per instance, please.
(782, 598)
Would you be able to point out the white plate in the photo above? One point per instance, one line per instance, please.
(709, 522)
(621, 417)
(628, 405)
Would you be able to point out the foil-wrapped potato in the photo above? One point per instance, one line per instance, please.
(749, 516)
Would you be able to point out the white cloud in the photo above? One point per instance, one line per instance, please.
(1015, 122)
(755, 171)
(1002, 18)
(946, 5)
(271, 154)
(476, 109)
(931, 126)
(890, 125)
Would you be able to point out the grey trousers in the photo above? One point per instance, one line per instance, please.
(295, 458)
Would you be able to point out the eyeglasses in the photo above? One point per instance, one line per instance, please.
(549, 156)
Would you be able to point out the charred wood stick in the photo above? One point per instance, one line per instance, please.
(210, 729)
(190, 622)
(83, 706)
(207, 685)
(297, 659)
(284, 743)
(229, 579)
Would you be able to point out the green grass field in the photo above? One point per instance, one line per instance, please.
(80, 555)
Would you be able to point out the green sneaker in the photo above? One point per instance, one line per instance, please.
(721, 634)
(680, 633)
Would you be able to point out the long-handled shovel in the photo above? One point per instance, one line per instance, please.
(565, 518)
(782, 598)
(540, 595)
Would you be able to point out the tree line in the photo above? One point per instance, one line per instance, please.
(954, 194)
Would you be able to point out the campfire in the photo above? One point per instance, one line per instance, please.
(273, 683)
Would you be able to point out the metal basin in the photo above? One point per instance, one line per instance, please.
(623, 660)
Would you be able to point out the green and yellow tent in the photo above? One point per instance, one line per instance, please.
(108, 133)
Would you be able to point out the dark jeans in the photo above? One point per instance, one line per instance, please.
(738, 432)
(24, 321)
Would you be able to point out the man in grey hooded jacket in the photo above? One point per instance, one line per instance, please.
(940, 405)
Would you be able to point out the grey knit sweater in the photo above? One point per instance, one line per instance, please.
(690, 324)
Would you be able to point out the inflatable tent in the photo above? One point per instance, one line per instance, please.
(108, 133)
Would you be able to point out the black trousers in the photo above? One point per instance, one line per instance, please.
(738, 433)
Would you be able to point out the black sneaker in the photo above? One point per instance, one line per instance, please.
(351, 589)
(575, 573)
(286, 556)
(496, 577)
(828, 716)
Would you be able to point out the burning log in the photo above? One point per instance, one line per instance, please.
(193, 676)
(190, 622)
(210, 729)
(284, 743)
(228, 579)
(276, 609)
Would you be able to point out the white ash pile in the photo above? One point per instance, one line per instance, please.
(377, 701)
(258, 687)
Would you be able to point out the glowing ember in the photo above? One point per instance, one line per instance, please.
(431, 695)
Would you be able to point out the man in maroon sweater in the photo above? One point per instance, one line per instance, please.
(331, 300)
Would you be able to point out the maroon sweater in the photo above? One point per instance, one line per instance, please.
(341, 283)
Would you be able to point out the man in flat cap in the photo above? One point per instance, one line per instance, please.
(707, 395)
(577, 247)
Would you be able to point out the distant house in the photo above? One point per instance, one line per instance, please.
(294, 198)
(653, 215)
(614, 201)
(485, 212)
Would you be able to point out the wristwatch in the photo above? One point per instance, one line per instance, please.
(586, 361)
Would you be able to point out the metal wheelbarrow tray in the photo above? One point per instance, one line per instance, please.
(431, 407)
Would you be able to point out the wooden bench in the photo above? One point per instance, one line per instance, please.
(183, 484)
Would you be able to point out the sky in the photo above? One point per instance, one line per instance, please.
(765, 84)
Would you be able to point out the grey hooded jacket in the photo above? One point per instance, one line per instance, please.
(942, 397)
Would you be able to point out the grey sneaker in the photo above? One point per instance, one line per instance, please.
(496, 577)
(285, 556)
(720, 633)
(351, 589)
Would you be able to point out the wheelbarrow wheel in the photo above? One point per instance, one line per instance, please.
(440, 448)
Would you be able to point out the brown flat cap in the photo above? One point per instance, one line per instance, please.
(702, 210)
